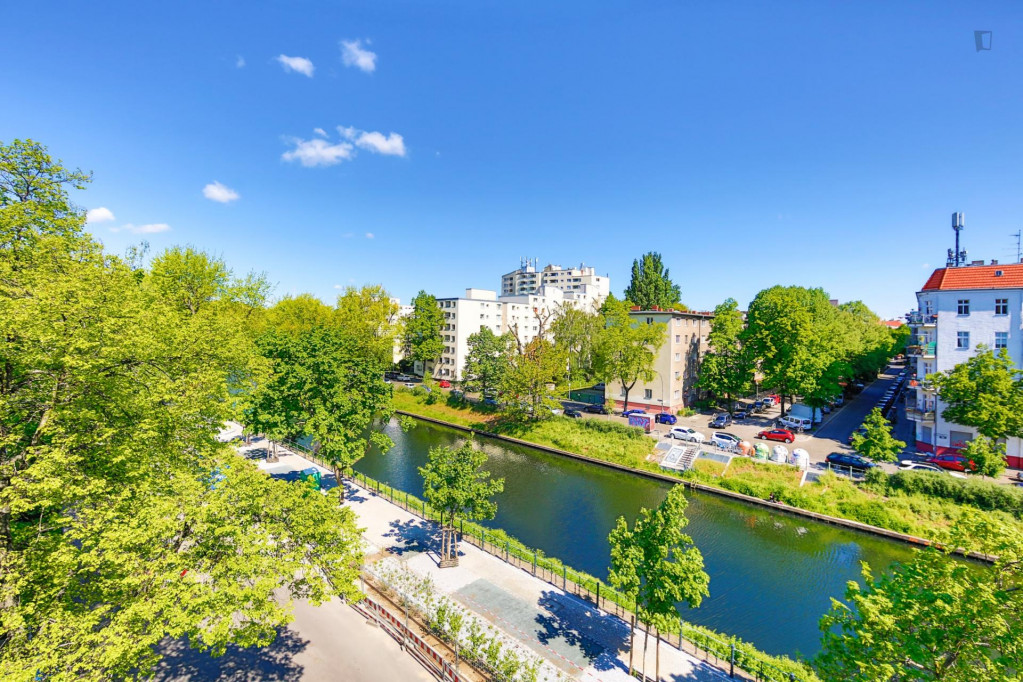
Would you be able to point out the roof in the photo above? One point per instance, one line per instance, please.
(976, 277)
(894, 324)
(637, 310)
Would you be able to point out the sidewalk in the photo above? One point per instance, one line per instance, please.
(569, 633)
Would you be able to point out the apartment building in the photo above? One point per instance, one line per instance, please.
(479, 308)
(677, 365)
(582, 286)
(960, 308)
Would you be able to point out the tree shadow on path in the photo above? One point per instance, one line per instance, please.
(414, 535)
(597, 635)
(272, 663)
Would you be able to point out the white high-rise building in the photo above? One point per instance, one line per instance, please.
(479, 308)
(960, 308)
(582, 286)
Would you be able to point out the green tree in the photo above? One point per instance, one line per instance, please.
(797, 337)
(123, 520)
(626, 349)
(296, 314)
(934, 617)
(658, 564)
(486, 362)
(877, 443)
(368, 313)
(455, 485)
(988, 457)
(421, 338)
(532, 366)
(727, 368)
(985, 392)
(576, 331)
(651, 286)
(322, 383)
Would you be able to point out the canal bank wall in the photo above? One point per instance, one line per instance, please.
(721, 492)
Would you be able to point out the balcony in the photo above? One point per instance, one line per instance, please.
(918, 319)
(925, 350)
(918, 415)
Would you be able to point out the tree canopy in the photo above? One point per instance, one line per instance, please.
(877, 443)
(626, 349)
(421, 338)
(651, 285)
(123, 520)
(985, 392)
(727, 368)
(486, 363)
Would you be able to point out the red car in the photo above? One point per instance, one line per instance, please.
(953, 462)
(444, 383)
(783, 435)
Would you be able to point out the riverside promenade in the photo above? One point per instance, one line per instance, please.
(575, 640)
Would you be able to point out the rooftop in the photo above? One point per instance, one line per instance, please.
(995, 276)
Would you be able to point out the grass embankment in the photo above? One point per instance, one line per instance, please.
(919, 503)
(747, 656)
(605, 440)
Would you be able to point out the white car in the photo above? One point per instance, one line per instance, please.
(726, 441)
(909, 465)
(686, 433)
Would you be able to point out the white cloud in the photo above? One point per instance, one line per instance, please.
(318, 152)
(392, 144)
(299, 64)
(239, 61)
(353, 54)
(320, 131)
(151, 228)
(215, 191)
(337, 286)
(369, 235)
(99, 215)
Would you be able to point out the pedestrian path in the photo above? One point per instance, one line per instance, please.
(569, 633)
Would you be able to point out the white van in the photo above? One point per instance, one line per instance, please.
(796, 423)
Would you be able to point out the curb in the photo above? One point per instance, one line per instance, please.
(721, 492)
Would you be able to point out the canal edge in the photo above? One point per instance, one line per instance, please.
(693, 485)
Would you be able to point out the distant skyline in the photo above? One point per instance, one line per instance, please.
(430, 147)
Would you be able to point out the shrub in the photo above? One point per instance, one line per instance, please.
(876, 480)
(980, 493)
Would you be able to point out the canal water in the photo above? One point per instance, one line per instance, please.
(772, 575)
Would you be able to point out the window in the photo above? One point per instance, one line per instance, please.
(678, 338)
(648, 394)
(963, 340)
(678, 356)
(678, 322)
(1001, 306)
(622, 394)
(963, 307)
(677, 374)
(1001, 339)
(928, 310)
(649, 320)
(677, 393)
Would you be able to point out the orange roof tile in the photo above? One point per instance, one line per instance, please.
(976, 277)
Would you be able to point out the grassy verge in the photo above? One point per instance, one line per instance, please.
(595, 438)
(918, 503)
(747, 656)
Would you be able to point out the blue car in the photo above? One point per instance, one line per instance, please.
(628, 413)
(490, 401)
(666, 418)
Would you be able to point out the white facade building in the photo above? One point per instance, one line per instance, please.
(958, 310)
(479, 308)
(582, 287)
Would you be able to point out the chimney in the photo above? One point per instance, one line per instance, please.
(994, 262)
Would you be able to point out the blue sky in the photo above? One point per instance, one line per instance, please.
(813, 143)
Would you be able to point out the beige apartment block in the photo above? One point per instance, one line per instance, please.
(676, 367)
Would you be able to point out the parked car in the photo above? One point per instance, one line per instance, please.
(403, 377)
(845, 460)
(596, 409)
(492, 402)
(838, 401)
(721, 421)
(686, 433)
(797, 424)
(574, 414)
(725, 440)
(825, 408)
(457, 394)
(740, 413)
(953, 462)
(409, 384)
(784, 435)
(628, 413)
(444, 383)
(760, 406)
(666, 418)
(774, 398)
(910, 465)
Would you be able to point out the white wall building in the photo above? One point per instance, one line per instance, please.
(582, 286)
(479, 308)
(959, 309)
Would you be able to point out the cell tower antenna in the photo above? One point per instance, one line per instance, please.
(1019, 252)
(957, 257)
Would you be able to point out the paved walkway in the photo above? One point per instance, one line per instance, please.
(569, 633)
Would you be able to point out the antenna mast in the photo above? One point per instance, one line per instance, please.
(1019, 253)
(957, 257)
